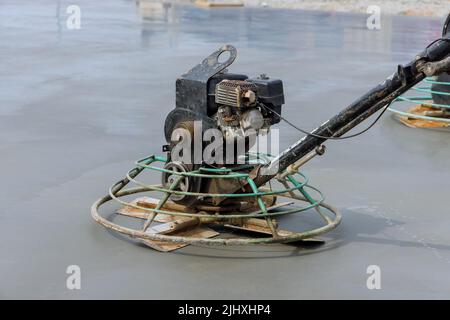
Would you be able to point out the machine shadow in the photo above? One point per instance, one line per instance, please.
(356, 227)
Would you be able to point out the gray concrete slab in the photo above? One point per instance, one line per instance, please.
(77, 107)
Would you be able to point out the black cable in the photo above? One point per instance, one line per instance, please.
(324, 137)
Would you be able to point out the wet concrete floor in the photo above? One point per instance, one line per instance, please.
(77, 107)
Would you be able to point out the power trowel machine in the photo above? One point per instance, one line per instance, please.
(233, 195)
(428, 104)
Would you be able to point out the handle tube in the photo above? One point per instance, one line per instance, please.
(374, 100)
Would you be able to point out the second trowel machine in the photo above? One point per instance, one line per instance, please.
(429, 103)
(213, 189)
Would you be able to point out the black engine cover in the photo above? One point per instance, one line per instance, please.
(195, 92)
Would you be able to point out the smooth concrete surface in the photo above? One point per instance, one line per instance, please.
(77, 107)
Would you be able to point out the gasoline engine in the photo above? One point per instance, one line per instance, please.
(230, 102)
(208, 97)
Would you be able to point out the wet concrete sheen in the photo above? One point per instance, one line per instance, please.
(77, 107)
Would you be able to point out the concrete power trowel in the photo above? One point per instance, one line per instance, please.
(429, 104)
(213, 188)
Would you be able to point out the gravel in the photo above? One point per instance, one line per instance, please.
(437, 8)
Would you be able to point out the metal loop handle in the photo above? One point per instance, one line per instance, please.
(211, 65)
